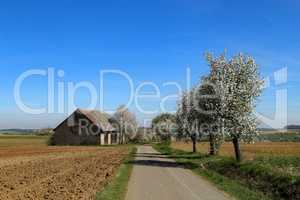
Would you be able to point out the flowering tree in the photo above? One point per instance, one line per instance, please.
(238, 85)
(164, 125)
(127, 123)
(196, 115)
(181, 116)
(207, 105)
(187, 117)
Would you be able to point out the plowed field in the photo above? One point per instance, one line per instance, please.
(57, 172)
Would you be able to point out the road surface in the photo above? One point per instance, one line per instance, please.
(155, 177)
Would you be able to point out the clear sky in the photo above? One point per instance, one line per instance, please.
(154, 41)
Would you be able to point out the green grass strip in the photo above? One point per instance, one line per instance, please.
(193, 161)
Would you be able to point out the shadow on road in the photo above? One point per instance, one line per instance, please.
(157, 155)
(156, 160)
(156, 163)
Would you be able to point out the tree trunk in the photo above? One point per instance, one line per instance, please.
(237, 149)
(193, 137)
(212, 150)
(122, 137)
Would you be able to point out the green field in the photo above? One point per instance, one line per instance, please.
(290, 136)
(22, 140)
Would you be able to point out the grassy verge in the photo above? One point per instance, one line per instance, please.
(116, 190)
(201, 165)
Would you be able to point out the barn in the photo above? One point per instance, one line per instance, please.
(86, 127)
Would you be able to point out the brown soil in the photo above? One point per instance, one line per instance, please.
(250, 151)
(57, 172)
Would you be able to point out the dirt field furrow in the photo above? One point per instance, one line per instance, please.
(67, 174)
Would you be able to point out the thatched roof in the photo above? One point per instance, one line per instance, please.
(95, 117)
(98, 118)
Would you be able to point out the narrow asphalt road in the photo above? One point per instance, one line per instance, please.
(155, 177)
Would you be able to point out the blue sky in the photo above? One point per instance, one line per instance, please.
(151, 41)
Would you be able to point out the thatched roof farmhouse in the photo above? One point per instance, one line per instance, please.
(86, 127)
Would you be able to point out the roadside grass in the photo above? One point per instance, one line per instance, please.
(289, 164)
(250, 180)
(117, 188)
